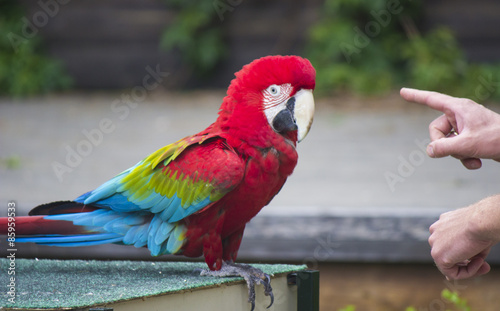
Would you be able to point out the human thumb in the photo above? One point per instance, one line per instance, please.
(444, 147)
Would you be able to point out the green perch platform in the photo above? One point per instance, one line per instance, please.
(135, 285)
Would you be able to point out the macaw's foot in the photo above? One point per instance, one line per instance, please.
(251, 275)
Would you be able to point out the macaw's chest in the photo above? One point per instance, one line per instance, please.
(264, 177)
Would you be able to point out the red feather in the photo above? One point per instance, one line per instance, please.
(36, 225)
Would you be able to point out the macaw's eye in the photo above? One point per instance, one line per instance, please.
(274, 90)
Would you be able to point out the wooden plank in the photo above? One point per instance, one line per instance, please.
(308, 240)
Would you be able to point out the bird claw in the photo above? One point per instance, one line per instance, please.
(251, 275)
(268, 290)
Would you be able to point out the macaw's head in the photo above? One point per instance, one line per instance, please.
(271, 95)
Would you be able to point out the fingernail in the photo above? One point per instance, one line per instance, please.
(430, 151)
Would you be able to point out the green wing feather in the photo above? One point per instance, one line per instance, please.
(171, 187)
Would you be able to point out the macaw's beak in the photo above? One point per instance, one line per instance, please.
(297, 115)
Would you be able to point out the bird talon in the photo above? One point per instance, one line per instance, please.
(251, 275)
(199, 270)
(272, 300)
(268, 290)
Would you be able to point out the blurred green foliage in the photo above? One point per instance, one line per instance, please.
(452, 298)
(348, 308)
(24, 70)
(197, 34)
(373, 46)
(12, 162)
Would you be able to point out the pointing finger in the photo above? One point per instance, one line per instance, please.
(433, 100)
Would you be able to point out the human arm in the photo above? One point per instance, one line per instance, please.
(461, 239)
(467, 131)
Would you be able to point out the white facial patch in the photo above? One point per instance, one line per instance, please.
(275, 97)
(301, 111)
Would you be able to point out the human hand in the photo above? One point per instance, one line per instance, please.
(458, 249)
(467, 131)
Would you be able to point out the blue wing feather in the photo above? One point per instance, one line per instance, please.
(145, 204)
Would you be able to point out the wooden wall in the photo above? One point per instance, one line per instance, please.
(109, 43)
(106, 44)
(475, 23)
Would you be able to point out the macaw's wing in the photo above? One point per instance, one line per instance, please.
(174, 182)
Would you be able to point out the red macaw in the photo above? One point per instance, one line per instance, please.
(194, 197)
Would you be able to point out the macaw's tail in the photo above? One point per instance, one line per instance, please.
(36, 224)
(69, 223)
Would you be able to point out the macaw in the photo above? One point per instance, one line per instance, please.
(195, 196)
